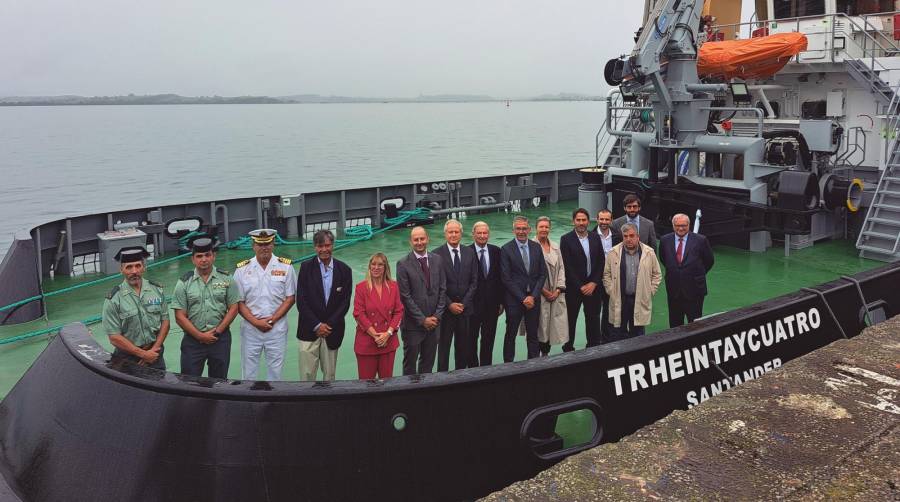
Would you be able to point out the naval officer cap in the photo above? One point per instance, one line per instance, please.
(202, 243)
(131, 254)
(263, 235)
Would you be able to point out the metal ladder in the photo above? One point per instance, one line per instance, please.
(880, 235)
(869, 79)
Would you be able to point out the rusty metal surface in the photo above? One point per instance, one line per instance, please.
(826, 426)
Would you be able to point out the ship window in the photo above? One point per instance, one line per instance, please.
(798, 8)
(860, 7)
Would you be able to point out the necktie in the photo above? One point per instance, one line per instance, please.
(456, 261)
(524, 250)
(679, 251)
(484, 269)
(423, 262)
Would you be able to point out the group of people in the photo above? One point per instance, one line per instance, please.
(445, 299)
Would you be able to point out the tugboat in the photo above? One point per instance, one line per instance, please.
(801, 153)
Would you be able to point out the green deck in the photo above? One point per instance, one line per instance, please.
(739, 278)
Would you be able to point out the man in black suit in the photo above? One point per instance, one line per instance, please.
(608, 239)
(422, 284)
(583, 257)
(687, 257)
(324, 286)
(488, 300)
(522, 271)
(462, 278)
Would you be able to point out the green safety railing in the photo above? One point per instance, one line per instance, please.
(355, 234)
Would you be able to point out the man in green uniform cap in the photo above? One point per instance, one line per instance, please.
(134, 313)
(205, 303)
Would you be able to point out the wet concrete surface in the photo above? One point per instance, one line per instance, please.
(825, 426)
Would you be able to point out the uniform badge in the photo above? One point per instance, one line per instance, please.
(279, 272)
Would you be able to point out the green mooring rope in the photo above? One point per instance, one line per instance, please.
(356, 234)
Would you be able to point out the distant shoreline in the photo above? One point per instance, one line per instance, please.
(174, 99)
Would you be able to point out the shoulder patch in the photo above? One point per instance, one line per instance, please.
(223, 272)
(242, 263)
(286, 261)
(158, 285)
(187, 276)
(112, 292)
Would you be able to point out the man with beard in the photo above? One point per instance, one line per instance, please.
(608, 239)
(267, 285)
(645, 229)
(324, 286)
(205, 303)
(135, 316)
(583, 258)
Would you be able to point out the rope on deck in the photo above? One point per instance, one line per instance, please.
(357, 234)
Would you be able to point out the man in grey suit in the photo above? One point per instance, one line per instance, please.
(522, 271)
(461, 271)
(646, 231)
(423, 285)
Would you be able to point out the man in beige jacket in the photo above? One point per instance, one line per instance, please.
(631, 277)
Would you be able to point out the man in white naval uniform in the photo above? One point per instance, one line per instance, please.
(267, 285)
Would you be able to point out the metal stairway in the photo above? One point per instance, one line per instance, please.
(880, 235)
(869, 79)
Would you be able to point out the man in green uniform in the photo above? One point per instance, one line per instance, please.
(134, 313)
(205, 302)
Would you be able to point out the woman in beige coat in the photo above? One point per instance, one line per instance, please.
(554, 325)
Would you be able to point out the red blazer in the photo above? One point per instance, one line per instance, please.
(381, 312)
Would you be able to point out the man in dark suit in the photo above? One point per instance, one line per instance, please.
(687, 257)
(522, 271)
(423, 286)
(488, 300)
(324, 286)
(646, 231)
(583, 257)
(462, 277)
(608, 239)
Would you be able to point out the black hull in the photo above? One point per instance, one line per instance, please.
(75, 429)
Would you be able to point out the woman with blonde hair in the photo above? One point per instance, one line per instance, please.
(378, 312)
(554, 325)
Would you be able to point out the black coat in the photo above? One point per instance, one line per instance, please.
(460, 287)
(574, 260)
(517, 281)
(311, 301)
(688, 279)
(489, 291)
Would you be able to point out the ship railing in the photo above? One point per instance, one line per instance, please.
(616, 120)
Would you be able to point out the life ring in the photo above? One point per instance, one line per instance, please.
(854, 195)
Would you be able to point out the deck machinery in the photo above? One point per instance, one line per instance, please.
(804, 153)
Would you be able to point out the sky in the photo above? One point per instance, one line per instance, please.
(388, 48)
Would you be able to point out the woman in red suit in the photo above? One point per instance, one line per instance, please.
(378, 312)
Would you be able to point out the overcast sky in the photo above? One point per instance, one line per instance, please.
(388, 48)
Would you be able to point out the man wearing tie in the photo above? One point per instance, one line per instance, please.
(522, 271)
(488, 301)
(687, 257)
(583, 257)
(461, 270)
(324, 285)
(645, 229)
(423, 285)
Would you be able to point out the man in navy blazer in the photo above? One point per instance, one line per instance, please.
(489, 296)
(583, 257)
(324, 286)
(462, 279)
(687, 257)
(522, 271)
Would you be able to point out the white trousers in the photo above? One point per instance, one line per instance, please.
(254, 342)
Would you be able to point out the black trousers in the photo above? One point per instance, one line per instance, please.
(120, 357)
(514, 316)
(419, 349)
(626, 328)
(454, 327)
(605, 325)
(681, 307)
(574, 301)
(485, 325)
(216, 356)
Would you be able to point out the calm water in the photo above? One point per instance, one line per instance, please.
(64, 161)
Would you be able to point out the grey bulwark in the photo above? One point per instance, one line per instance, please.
(826, 426)
(20, 280)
